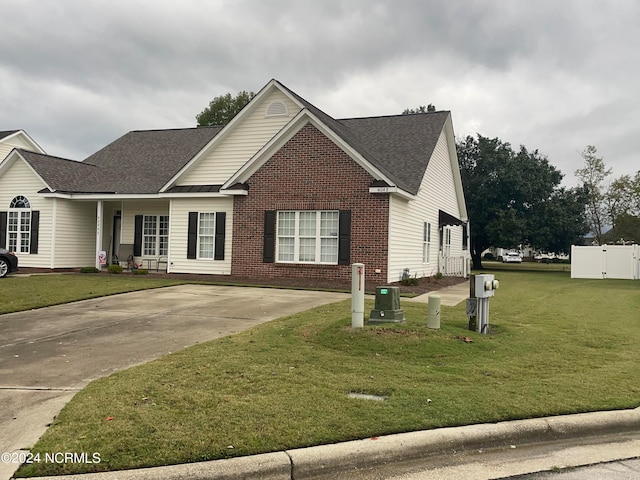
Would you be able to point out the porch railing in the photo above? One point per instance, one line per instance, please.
(457, 266)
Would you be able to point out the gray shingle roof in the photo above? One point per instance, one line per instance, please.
(144, 161)
(6, 133)
(66, 176)
(400, 146)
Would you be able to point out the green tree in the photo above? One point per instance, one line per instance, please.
(223, 108)
(420, 109)
(593, 176)
(513, 199)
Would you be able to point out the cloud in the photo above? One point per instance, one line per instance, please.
(554, 76)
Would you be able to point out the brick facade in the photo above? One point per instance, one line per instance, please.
(311, 173)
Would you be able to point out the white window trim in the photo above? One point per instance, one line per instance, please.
(157, 236)
(426, 243)
(200, 236)
(19, 232)
(318, 237)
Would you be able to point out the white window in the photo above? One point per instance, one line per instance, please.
(426, 243)
(206, 235)
(446, 233)
(308, 236)
(155, 235)
(19, 225)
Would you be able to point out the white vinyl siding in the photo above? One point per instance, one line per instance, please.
(407, 219)
(19, 179)
(179, 213)
(8, 144)
(233, 151)
(75, 234)
(131, 208)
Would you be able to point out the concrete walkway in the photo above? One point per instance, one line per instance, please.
(49, 354)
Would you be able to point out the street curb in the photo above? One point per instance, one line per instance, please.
(339, 459)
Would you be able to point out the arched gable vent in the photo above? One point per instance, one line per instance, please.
(276, 109)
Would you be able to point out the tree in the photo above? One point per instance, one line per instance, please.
(420, 109)
(223, 108)
(514, 198)
(610, 202)
(593, 177)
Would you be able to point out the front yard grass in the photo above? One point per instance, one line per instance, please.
(558, 346)
(37, 291)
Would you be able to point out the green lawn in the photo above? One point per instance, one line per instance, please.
(558, 346)
(25, 293)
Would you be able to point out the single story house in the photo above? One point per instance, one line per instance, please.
(282, 190)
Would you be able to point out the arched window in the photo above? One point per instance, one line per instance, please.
(20, 202)
(19, 225)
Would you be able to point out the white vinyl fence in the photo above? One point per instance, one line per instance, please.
(606, 261)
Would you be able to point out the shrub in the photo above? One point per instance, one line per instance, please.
(114, 269)
(89, 270)
(410, 281)
(140, 271)
(489, 256)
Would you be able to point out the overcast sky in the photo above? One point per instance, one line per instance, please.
(552, 75)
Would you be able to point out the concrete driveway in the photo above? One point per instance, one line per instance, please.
(47, 355)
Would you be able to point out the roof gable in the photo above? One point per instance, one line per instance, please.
(62, 175)
(144, 161)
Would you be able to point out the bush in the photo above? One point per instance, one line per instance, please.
(89, 270)
(140, 271)
(410, 281)
(489, 256)
(114, 269)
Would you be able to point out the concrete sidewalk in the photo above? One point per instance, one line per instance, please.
(449, 296)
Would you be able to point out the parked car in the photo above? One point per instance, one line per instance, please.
(8, 262)
(511, 257)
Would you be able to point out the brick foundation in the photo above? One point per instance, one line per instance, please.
(311, 173)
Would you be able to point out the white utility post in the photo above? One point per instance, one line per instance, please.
(357, 295)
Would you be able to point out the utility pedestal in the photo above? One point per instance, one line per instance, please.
(387, 307)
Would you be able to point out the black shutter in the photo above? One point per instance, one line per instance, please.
(269, 245)
(3, 229)
(218, 252)
(137, 236)
(35, 232)
(192, 235)
(344, 238)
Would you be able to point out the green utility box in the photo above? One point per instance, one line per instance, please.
(387, 307)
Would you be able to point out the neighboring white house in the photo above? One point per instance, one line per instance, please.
(282, 190)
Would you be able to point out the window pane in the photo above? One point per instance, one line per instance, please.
(307, 224)
(307, 250)
(329, 224)
(286, 249)
(206, 230)
(329, 250)
(286, 224)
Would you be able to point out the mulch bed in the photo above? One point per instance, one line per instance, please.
(424, 285)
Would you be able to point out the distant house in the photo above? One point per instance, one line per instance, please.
(282, 190)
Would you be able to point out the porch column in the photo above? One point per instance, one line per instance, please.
(99, 212)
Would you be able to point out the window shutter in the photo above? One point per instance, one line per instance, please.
(269, 245)
(218, 252)
(192, 235)
(3, 229)
(137, 236)
(344, 238)
(35, 232)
